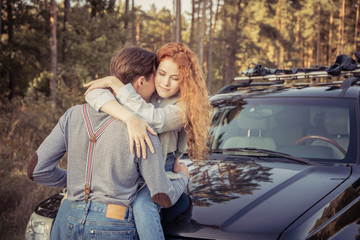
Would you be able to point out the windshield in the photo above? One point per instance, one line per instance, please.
(317, 128)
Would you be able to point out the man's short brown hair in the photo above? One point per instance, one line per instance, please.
(131, 62)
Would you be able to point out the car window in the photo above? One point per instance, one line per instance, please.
(313, 128)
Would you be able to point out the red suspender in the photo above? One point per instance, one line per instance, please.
(93, 136)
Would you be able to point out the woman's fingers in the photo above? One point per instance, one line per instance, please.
(99, 83)
(131, 145)
(152, 131)
(88, 84)
(88, 90)
(149, 143)
(138, 147)
(137, 129)
(143, 148)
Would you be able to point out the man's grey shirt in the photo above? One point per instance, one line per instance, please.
(115, 171)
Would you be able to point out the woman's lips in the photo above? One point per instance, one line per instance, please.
(164, 89)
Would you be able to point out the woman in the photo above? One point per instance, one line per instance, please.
(180, 114)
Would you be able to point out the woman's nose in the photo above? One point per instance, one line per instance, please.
(167, 81)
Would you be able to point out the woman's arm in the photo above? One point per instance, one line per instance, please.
(98, 97)
(105, 82)
(162, 119)
(137, 128)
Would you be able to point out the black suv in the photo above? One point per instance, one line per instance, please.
(284, 161)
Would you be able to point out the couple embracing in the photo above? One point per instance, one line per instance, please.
(112, 146)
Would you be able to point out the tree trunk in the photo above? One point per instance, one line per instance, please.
(356, 24)
(133, 26)
(297, 38)
(234, 46)
(278, 27)
(318, 36)
(173, 32)
(209, 55)
(178, 22)
(93, 9)
(216, 16)
(201, 34)
(163, 33)
(138, 31)
(331, 22)
(64, 46)
(310, 51)
(198, 27)
(126, 14)
(10, 6)
(341, 28)
(191, 44)
(0, 20)
(285, 33)
(224, 51)
(53, 54)
(111, 6)
(12, 79)
(211, 39)
(302, 53)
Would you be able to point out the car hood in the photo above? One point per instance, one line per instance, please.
(231, 197)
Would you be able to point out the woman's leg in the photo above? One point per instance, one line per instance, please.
(147, 216)
(169, 163)
(180, 207)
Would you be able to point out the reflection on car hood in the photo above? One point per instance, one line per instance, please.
(231, 196)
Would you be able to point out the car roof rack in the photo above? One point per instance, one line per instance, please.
(298, 76)
(349, 82)
(285, 78)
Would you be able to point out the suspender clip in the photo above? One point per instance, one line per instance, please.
(93, 138)
(87, 193)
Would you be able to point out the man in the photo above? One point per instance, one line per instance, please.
(102, 174)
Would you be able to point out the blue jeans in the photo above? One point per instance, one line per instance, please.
(147, 216)
(80, 220)
(169, 163)
(147, 213)
(180, 207)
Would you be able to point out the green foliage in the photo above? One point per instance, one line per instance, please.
(89, 45)
(159, 20)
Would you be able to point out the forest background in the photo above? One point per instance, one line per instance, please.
(50, 48)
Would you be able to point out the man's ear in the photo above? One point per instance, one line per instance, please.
(138, 83)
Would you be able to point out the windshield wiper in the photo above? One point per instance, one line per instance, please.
(265, 151)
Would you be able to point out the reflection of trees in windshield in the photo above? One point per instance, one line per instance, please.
(215, 182)
(231, 100)
(222, 119)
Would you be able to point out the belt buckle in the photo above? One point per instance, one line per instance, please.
(116, 211)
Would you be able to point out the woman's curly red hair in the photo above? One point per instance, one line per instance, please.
(193, 97)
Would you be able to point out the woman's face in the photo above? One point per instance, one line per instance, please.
(167, 78)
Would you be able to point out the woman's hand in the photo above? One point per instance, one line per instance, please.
(106, 82)
(181, 167)
(137, 129)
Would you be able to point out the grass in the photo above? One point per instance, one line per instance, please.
(24, 124)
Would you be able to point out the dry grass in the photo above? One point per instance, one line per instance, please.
(24, 124)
